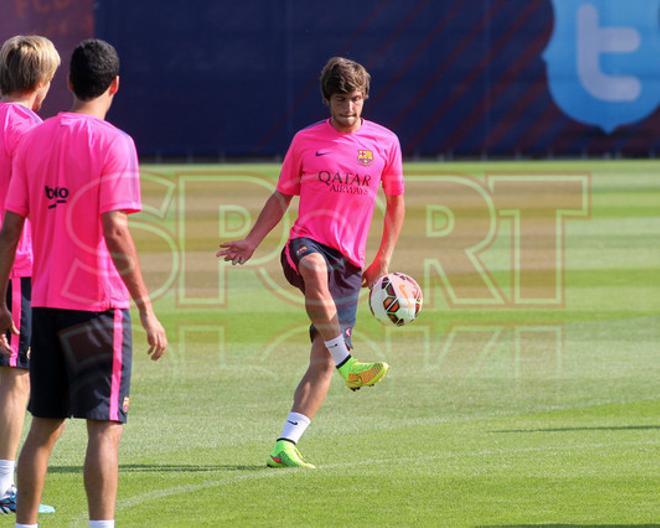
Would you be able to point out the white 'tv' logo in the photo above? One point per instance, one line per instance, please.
(592, 41)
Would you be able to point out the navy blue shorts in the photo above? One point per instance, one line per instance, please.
(80, 365)
(19, 291)
(344, 280)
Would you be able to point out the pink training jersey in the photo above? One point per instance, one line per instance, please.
(337, 176)
(67, 172)
(15, 120)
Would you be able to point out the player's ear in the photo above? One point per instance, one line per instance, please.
(114, 86)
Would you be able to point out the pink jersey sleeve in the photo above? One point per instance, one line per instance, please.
(19, 128)
(393, 172)
(21, 120)
(17, 200)
(120, 181)
(289, 182)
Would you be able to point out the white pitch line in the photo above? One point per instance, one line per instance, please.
(138, 500)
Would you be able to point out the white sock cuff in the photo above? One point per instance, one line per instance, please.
(335, 341)
(7, 468)
(19, 525)
(337, 348)
(102, 524)
(294, 427)
(297, 417)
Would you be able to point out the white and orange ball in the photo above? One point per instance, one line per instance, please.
(395, 299)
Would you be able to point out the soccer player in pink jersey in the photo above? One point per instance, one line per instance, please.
(27, 66)
(336, 166)
(76, 178)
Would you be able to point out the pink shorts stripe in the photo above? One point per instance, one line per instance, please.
(287, 254)
(16, 298)
(117, 348)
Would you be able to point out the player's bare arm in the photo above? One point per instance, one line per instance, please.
(240, 251)
(122, 250)
(12, 227)
(395, 213)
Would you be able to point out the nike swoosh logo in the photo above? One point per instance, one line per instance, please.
(292, 423)
(319, 153)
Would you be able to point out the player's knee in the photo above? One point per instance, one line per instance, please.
(313, 269)
(14, 382)
(45, 431)
(23, 383)
(104, 432)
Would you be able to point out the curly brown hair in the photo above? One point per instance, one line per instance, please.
(341, 75)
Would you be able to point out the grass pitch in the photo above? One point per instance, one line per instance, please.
(494, 415)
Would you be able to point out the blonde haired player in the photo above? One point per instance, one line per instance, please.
(27, 66)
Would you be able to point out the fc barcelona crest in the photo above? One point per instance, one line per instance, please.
(365, 156)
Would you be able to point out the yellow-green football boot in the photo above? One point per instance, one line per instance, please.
(285, 454)
(357, 375)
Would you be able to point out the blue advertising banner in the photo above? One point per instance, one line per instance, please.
(502, 78)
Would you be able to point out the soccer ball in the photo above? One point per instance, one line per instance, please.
(395, 299)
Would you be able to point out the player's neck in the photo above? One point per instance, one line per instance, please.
(22, 99)
(346, 129)
(95, 108)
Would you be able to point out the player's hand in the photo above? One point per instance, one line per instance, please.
(156, 336)
(238, 252)
(377, 269)
(6, 324)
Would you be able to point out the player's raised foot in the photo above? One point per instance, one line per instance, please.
(357, 374)
(8, 503)
(285, 454)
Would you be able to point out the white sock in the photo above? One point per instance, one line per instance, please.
(6, 475)
(294, 427)
(338, 350)
(102, 524)
(19, 525)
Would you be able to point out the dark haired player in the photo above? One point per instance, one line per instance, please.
(76, 178)
(336, 166)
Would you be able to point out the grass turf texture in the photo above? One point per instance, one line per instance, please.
(495, 416)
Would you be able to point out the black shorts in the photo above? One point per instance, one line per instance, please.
(80, 365)
(18, 301)
(344, 280)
